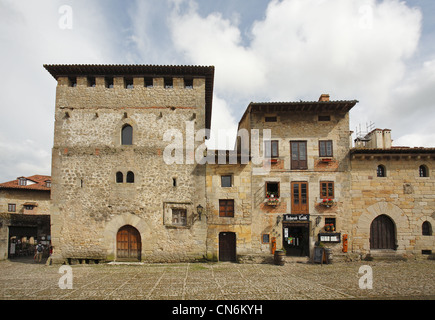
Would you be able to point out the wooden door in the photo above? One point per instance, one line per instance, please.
(227, 246)
(299, 197)
(382, 233)
(128, 244)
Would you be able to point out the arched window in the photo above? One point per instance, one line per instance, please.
(423, 171)
(127, 135)
(119, 177)
(130, 177)
(426, 228)
(381, 172)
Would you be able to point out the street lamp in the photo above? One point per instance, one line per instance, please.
(199, 209)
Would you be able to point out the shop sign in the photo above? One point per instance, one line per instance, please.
(296, 217)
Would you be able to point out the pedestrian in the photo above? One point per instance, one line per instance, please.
(38, 254)
(50, 252)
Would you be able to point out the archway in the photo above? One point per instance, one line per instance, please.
(382, 233)
(128, 244)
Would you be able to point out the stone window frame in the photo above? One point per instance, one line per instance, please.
(231, 180)
(423, 171)
(167, 214)
(117, 134)
(381, 171)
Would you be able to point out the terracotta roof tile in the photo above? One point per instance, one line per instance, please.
(39, 183)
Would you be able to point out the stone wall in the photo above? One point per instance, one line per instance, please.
(402, 195)
(89, 206)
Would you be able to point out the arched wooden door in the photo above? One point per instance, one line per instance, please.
(128, 244)
(382, 233)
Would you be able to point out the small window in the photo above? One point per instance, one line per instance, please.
(128, 83)
(272, 189)
(226, 208)
(324, 118)
(326, 189)
(331, 223)
(130, 177)
(127, 135)
(91, 82)
(109, 82)
(169, 84)
(426, 228)
(174, 182)
(381, 172)
(188, 83)
(48, 184)
(119, 177)
(28, 207)
(12, 207)
(226, 181)
(265, 238)
(72, 81)
(270, 119)
(179, 217)
(423, 171)
(325, 148)
(271, 149)
(148, 82)
(22, 181)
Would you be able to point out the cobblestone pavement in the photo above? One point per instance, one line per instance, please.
(23, 279)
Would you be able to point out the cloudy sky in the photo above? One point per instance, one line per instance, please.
(381, 53)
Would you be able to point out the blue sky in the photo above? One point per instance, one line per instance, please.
(381, 53)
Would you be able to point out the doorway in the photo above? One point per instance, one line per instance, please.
(382, 233)
(128, 244)
(296, 238)
(227, 246)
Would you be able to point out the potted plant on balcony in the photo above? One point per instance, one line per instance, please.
(272, 198)
(327, 202)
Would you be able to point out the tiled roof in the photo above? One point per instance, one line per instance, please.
(395, 150)
(39, 183)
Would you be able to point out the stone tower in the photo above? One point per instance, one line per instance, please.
(114, 195)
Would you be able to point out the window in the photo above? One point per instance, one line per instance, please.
(109, 82)
(174, 182)
(179, 217)
(12, 207)
(270, 119)
(265, 238)
(130, 177)
(127, 135)
(331, 223)
(128, 83)
(91, 82)
(324, 118)
(188, 83)
(426, 228)
(226, 208)
(298, 155)
(72, 82)
(48, 184)
(325, 148)
(381, 172)
(28, 207)
(423, 171)
(22, 181)
(119, 177)
(148, 82)
(272, 189)
(326, 189)
(271, 149)
(169, 84)
(226, 181)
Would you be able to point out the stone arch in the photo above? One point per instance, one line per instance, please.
(115, 224)
(362, 230)
(117, 134)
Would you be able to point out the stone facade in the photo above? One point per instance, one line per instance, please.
(115, 200)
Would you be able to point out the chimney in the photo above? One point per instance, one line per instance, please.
(324, 97)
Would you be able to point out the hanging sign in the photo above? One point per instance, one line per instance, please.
(296, 217)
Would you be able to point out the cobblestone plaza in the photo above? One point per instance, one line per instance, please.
(25, 280)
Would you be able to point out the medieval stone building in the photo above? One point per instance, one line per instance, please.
(132, 179)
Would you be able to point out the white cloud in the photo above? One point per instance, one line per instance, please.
(302, 48)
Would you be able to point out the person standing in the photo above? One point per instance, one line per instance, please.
(39, 249)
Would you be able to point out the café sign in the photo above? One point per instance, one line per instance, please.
(296, 217)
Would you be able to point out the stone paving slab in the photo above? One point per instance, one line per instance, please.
(25, 280)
